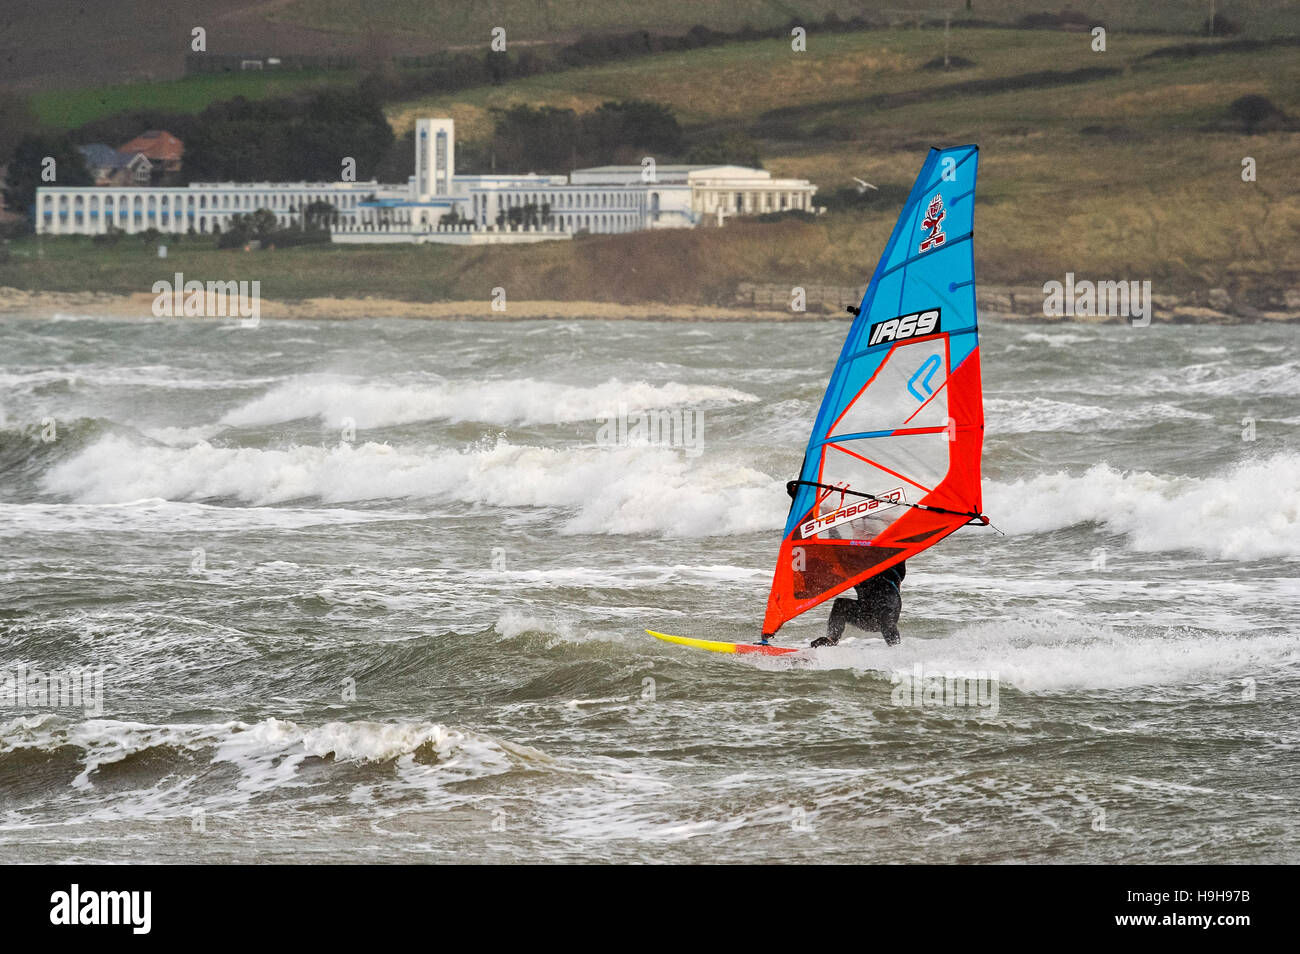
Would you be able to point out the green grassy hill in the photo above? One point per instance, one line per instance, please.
(532, 20)
(1114, 165)
(106, 58)
(70, 108)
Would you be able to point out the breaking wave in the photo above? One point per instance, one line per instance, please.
(519, 402)
(269, 753)
(630, 490)
(1048, 654)
(1251, 512)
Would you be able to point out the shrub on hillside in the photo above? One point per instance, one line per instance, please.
(728, 149)
(856, 198)
(797, 215)
(1065, 20)
(31, 158)
(1254, 114)
(112, 236)
(954, 63)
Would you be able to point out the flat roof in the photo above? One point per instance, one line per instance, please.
(670, 167)
(403, 203)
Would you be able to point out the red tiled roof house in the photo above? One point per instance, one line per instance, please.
(158, 146)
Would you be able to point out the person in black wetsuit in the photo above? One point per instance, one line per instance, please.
(877, 607)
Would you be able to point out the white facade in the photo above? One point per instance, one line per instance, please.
(435, 158)
(678, 196)
(477, 208)
(207, 207)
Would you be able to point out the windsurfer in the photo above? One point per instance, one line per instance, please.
(877, 607)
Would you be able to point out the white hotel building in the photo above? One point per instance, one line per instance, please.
(605, 199)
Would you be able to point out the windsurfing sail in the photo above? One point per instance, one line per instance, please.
(893, 462)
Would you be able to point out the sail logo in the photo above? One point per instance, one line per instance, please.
(905, 326)
(932, 224)
(922, 377)
(865, 508)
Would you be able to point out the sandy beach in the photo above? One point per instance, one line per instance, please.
(1006, 303)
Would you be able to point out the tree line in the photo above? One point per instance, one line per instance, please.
(305, 136)
(308, 138)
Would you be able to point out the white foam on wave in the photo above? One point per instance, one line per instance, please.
(1221, 379)
(1064, 653)
(1058, 339)
(168, 516)
(181, 436)
(1251, 512)
(513, 623)
(617, 491)
(158, 377)
(1247, 513)
(622, 576)
(269, 753)
(519, 402)
(1018, 416)
(1225, 377)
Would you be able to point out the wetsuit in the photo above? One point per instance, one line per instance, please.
(877, 607)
